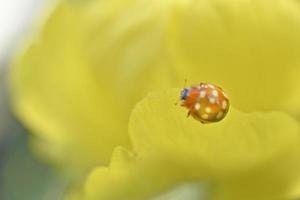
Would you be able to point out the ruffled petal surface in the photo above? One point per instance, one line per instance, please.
(245, 156)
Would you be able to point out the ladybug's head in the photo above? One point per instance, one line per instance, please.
(184, 94)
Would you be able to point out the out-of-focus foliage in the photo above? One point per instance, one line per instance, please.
(21, 176)
(25, 178)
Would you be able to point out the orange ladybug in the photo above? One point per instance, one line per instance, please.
(206, 102)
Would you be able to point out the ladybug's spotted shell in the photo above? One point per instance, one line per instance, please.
(205, 102)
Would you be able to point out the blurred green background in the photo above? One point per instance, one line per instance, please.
(22, 177)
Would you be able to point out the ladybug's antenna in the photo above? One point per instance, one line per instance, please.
(185, 82)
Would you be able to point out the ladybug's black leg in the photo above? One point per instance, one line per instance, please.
(189, 113)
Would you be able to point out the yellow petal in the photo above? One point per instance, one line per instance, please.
(249, 47)
(237, 155)
(130, 177)
(273, 180)
(76, 84)
(240, 141)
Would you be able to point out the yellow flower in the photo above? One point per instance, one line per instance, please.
(78, 82)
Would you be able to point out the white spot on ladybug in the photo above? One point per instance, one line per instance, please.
(202, 93)
(197, 106)
(211, 86)
(224, 104)
(220, 115)
(212, 100)
(204, 116)
(208, 109)
(215, 93)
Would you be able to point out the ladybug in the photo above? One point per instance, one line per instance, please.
(206, 102)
